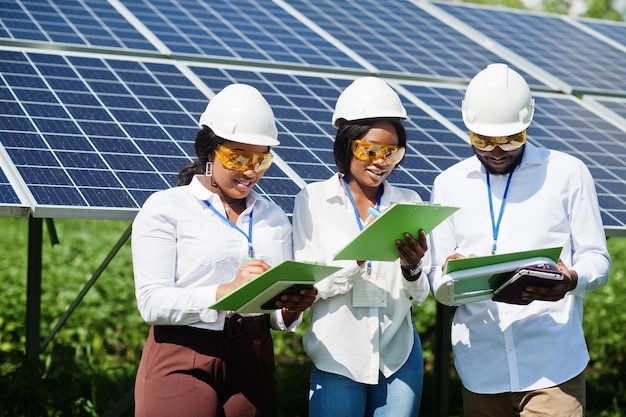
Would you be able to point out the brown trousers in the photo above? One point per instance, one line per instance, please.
(185, 371)
(564, 400)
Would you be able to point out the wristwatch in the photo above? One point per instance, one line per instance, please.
(414, 271)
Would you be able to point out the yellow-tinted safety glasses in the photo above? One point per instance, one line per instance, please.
(368, 151)
(242, 160)
(506, 143)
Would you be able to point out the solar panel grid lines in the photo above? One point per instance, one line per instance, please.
(534, 75)
(612, 108)
(249, 30)
(90, 23)
(89, 137)
(15, 200)
(7, 192)
(583, 61)
(101, 121)
(615, 31)
(413, 42)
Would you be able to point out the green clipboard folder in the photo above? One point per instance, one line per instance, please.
(471, 279)
(377, 241)
(257, 295)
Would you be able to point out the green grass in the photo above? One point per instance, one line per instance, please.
(90, 364)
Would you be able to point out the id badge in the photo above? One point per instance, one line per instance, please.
(367, 293)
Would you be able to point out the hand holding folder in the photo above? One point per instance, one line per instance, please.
(260, 294)
(377, 241)
(478, 278)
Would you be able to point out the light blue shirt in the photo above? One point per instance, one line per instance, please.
(551, 202)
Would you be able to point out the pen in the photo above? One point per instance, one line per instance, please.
(373, 212)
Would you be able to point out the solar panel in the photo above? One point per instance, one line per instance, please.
(10, 203)
(408, 42)
(613, 108)
(103, 134)
(616, 31)
(86, 132)
(551, 43)
(94, 133)
(93, 23)
(257, 30)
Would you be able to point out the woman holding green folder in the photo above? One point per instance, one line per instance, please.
(366, 353)
(195, 243)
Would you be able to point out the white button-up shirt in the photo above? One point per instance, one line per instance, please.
(356, 342)
(182, 251)
(551, 202)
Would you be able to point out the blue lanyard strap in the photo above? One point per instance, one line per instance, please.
(234, 226)
(356, 211)
(495, 226)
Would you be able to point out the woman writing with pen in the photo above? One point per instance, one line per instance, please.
(198, 242)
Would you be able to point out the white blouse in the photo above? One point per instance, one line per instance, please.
(182, 251)
(354, 341)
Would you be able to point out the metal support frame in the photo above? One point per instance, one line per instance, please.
(441, 394)
(33, 307)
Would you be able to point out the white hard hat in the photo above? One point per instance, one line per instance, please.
(241, 114)
(368, 98)
(498, 102)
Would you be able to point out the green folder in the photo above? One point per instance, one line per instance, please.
(258, 295)
(377, 241)
(476, 277)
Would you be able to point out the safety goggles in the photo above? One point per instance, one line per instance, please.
(368, 151)
(506, 143)
(242, 160)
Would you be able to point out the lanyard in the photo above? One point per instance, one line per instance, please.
(234, 226)
(356, 211)
(495, 227)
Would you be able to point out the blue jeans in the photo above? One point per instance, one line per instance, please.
(396, 396)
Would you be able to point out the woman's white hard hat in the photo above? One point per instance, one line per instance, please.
(240, 113)
(498, 102)
(368, 98)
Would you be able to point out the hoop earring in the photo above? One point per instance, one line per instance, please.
(208, 169)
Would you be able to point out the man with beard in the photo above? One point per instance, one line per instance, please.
(519, 360)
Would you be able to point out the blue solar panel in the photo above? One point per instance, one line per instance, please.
(561, 123)
(8, 196)
(105, 134)
(257, 30)
(90, 22)
(612, 108)
(94, 133)
(67, 137)
(583, 61)
(616, 105)
(398, 36)
(615, 31)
